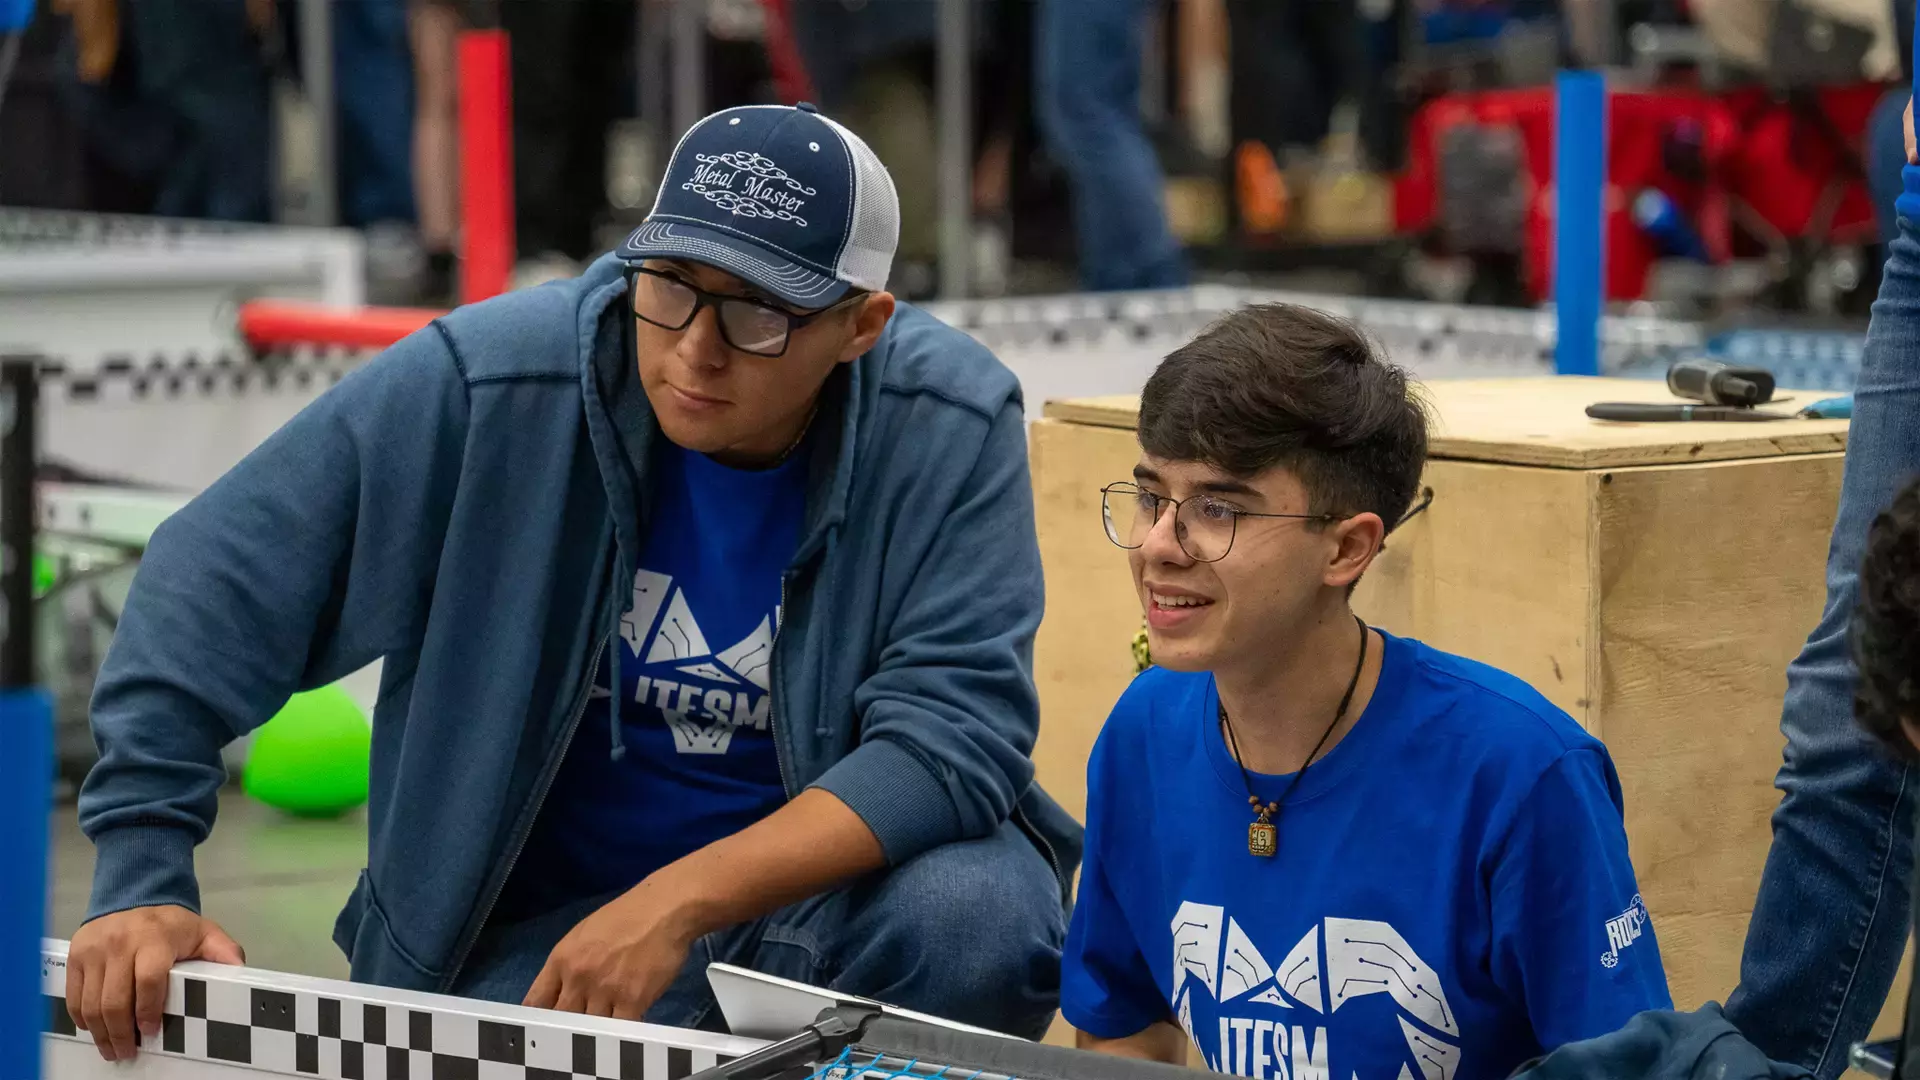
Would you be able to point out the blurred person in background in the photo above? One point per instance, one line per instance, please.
(374, 117)
(176, 96)
(874, 62)
(1293, 62)
(1087, 84)
(871, 61)
(569, 66)
(1843, 834)
(433, 27)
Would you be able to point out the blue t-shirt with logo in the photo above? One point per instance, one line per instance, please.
(1450, 896)
(698, 761)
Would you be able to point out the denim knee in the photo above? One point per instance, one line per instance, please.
(971, 932)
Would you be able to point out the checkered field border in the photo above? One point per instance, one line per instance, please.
(342, 1037)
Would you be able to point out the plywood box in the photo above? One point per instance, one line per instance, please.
(1653, 580)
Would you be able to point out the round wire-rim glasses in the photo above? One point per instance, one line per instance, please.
(1201, 522)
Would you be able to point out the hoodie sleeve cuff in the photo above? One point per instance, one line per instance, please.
(143, 866)
(897, 795)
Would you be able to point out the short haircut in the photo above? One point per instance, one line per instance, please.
(1280, 384)
(1886, 625)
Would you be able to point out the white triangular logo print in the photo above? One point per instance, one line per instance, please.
(692, 736)
(649, 592)
(1299, 973)
(1438, 1060)
(679, 637)
(1270, 996)
(751, 656)
(709, 671)
(1196, 944)
(1242, 968)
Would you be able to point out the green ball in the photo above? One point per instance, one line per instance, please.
(311, 759)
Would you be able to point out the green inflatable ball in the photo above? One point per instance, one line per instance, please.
(311, 759)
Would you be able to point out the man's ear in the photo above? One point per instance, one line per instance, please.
(870, 317)
(1356, 541)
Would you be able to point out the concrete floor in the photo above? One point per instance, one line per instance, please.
(273, 882)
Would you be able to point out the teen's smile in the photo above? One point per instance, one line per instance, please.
(1170, 607)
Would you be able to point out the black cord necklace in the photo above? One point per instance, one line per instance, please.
(1262, 837)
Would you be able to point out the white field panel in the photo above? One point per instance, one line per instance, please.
(77, 288)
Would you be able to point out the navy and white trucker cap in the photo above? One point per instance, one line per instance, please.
(779, 196)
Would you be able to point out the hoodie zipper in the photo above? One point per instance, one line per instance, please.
(526, 831)
(773, 685)
(1046, 848)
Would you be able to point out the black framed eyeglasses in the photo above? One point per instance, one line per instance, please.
(749, 325)
(1204, 526)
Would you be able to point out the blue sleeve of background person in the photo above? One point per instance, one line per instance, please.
(1908, 204)
(1559, 877)
(949, 717)
(304, 563)
(1107, 989)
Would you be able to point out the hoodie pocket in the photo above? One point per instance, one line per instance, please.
(364, 935)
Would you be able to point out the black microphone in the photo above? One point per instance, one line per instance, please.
(1716, 383)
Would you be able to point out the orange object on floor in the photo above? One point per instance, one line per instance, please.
(1260, 189)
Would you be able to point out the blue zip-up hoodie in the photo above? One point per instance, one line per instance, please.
(462, 507)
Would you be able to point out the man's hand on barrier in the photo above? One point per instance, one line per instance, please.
(117, 969)
(618, 960)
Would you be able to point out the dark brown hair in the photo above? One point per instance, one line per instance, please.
(1279, 384)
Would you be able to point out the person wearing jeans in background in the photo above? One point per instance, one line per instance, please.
(1811, 985)
(1087, 82)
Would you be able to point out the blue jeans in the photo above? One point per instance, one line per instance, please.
(1087, 56)
(1830, 922)
(200, 59)
(373, 98)
(970, 931)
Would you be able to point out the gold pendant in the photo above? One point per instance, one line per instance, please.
(1262, 840)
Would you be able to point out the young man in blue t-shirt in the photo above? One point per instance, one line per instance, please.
(1315, 849)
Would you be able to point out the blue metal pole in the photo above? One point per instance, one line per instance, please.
(26, 736)
(1579, 214)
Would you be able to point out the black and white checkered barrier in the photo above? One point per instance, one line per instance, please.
(253, 1023)
(1417, 334)
(159, 376)
(23, 228)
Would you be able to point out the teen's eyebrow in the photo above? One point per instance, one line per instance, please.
(1146, 475)
(1228, 487)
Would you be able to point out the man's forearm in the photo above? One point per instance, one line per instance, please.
(803, 849)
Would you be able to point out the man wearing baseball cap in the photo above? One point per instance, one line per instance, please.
(705, 585)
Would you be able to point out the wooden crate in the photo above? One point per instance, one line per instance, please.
(1653, 580)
